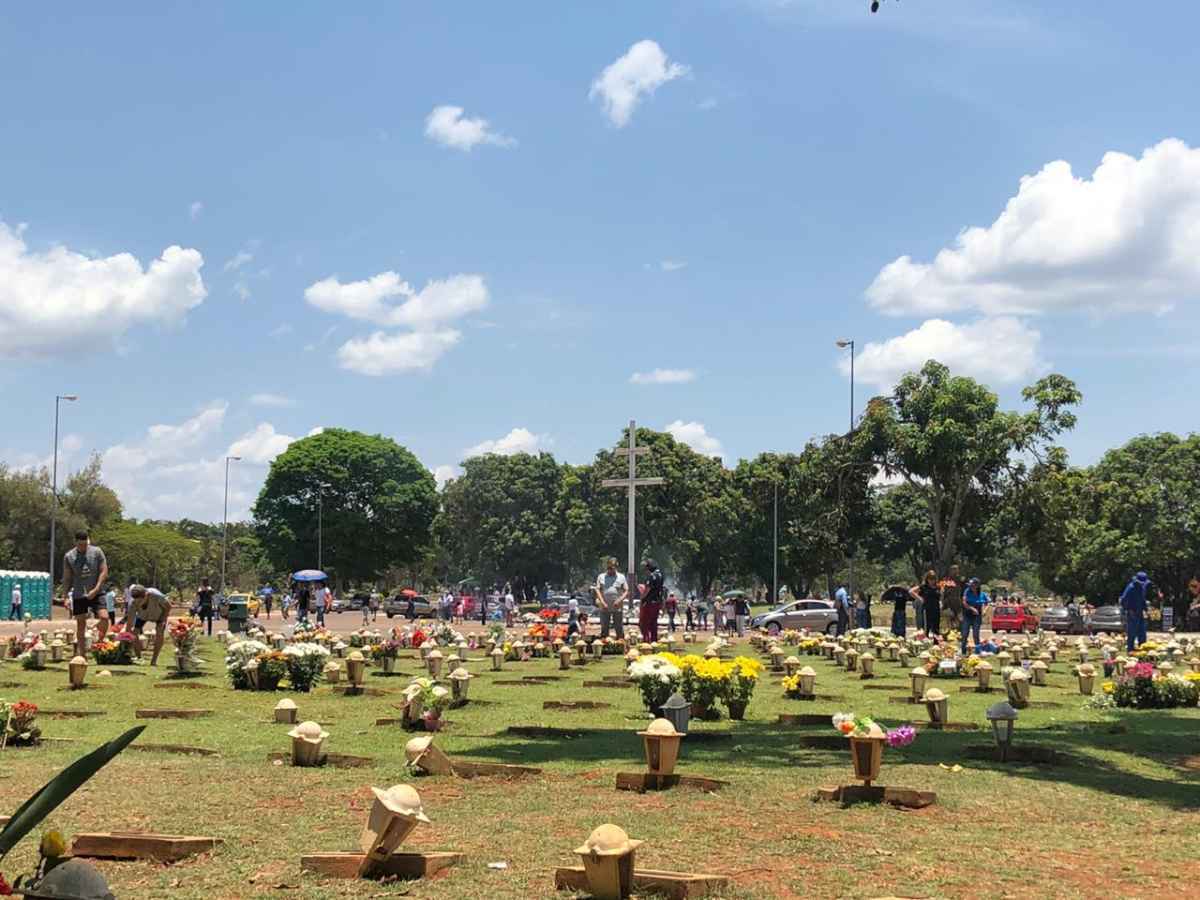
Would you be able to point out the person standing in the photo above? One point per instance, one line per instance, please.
(303, 602)
(702, 613)
(510, 607)
(718, 606)
(611, 589)
(268, 598)
(841, 603)
(1133, 605)
(483, 601)
(742, 614)
(973, 602)
(898, 596)
(14, 609)
(573, 619)
(672, 612)
(204, 605)
(651, 604)
(318, 603)
(862, 610)
(410, 609)
(931, 602)
(689, 610)
(85, 570)
(285, 605)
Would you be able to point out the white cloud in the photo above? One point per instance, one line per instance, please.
(426, 312)
(280, 330)
(672, 265)
(695, 436)
(239, 259)
(639, 73)
(60, 301)
(1000, 350)
(663, 376)
(448, 126)
(195, 209)
(315, 431)
(268, 399)
(260, 445)
(437, 302)
(1121, 241)
(519, 440)
(442, 474)
(387, 354)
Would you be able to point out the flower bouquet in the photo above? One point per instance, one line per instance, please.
(657, 677)
(867, 740)
(237, 655)
(272, 669)
(114, 652)
(185, 634)
(741, 680)
(20, 729)
(385, 653)
(702, 682)
(305, 664)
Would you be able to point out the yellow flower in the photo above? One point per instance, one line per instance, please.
(53, 844)
(1108, 687)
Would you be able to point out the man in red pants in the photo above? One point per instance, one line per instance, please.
(651, 602)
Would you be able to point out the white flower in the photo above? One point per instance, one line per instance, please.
(303, 649)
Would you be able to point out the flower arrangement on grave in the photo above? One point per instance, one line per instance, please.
(237, 655)
(434, 700)
(850, 725)
(790, 636)
(185, 635)
(548, 614)
(31, 659)
(272, 669)
(968, 666)
(444, 636)
(304, 631)
(657, 677)
(387, 649)
(740, 685)
(539, 631)
(702, 682)
(22, 730)
(810, 645)
(357, 639)
(497, 633)
(305, 664)
(1142, 688)
(513, 653)
(114, 651)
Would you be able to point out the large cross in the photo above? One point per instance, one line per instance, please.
(633, 451)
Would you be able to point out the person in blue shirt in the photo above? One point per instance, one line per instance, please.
(841, 602)
(974, 600)
(1133, 605)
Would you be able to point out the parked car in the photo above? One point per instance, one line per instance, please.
(1108, 619)
(1015, 617)
(1063, 620)
(398, 606)
(815, 615)
(252, 604)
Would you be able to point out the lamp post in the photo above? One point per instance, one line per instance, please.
(320, 526)
(54, 483)
(775, 557)
(843, 343)
(225, 520)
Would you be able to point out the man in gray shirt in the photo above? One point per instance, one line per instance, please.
(84, 572)
(611, 591)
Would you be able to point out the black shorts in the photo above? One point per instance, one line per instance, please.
(81, 606)
(139, 623)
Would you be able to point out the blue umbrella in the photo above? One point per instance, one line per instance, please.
(310, 575)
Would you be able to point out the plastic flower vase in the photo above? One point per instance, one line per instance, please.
(424, 757)
(433, 663)
(454, 661)
(983, 674)
(356, 668)
(394, 815)
(1038, 671)
(388, 663)
(867, 663)
(40, 653)
(791, 665)
(581, 650)
(56, 650)
(286, 712)
(497, 659)
(808, 681)
(308, 742)
(904, 657)
(852, 660)
(937, 705)
(839, 656)
(428, 647)
(607, 857)
(333, 672)
(1018, 688)
(776, 655)
(1087, 679)
(866, 754)
(460, 683)
(661, 742)
(597, 650)
(76, 671)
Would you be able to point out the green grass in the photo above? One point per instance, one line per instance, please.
(1021, 831)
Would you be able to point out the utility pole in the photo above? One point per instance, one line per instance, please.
(775, 560)
(225, 521)
(843, 344)
(54, 486)
(632, 483)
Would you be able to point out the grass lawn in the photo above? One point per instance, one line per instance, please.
(1119, 820)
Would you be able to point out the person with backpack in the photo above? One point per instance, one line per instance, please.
(1133, 604)
(651, 603)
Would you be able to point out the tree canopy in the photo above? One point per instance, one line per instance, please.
(377, 505)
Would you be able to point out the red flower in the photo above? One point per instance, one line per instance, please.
(5, 890)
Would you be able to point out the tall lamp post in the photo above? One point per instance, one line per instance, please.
(54, 482)
(225, 520)
(775, 558)
(842, 345)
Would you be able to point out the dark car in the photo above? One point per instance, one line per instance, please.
(398, 606)
(1108, 619)
(1064, 620)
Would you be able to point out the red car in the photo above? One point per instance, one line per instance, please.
(1013, 618)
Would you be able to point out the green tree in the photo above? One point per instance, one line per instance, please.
(378, 504)
(947, 437)
(89, 497)
(498, 519)
(148, 553)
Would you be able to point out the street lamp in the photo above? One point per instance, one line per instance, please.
(842, 344)
(225, 520)
(1002, 717)
(54, 482)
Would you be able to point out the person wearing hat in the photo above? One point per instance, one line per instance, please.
(149, 605)
(973, 602)
(1133, 605)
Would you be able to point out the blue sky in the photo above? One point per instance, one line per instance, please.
(703, 194)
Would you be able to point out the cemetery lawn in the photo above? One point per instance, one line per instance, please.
(1118, 819)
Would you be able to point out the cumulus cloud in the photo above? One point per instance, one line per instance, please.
(447, 125)
(442, 474)
(60, 301)
(663, 376)
(1123, 240)
(695, 436)
(381, 353)
(239, 259)
(269, 399)
(1000, 350)
(260, 445)
(519, 440)
(426, 313)
(639, 73)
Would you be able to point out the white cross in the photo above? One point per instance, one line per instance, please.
(633, 451)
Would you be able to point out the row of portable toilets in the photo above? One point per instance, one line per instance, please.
(35, 593)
